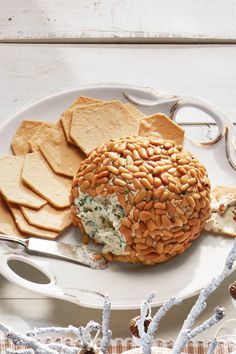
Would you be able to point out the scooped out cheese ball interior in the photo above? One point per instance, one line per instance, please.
(145, 199)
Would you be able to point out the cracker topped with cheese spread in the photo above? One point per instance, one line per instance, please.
(222, 219)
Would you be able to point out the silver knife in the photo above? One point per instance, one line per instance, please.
(75, 253)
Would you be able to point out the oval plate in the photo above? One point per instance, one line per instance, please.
(126, 284)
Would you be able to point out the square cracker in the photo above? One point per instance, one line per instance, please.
(7, 222)
(39, 176)
(48, 217)
(38, 137)
(66, 117)
(135, 111)
(63, 158)
(95, 124)
(28, 229)
(11, 185)
(160, 123)
(85, 100)
(20, 142)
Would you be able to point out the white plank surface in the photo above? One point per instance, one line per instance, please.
(116, 20)
(30, 71)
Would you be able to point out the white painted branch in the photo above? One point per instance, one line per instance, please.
(212, 346)
(186, 332)
(216, 317)
(106, 332)
(20, 351)
(59, 330)
(161, 313)
(88, 329)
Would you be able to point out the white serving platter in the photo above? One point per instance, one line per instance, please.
(126, 284)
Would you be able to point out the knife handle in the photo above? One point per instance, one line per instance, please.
(12, 238)
(53, 288)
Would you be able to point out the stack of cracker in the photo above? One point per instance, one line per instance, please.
(35, 183)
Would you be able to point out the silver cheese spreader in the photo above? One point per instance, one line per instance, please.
(75, 253)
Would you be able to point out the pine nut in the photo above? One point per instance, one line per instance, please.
(120, 182)
(145, 182)
(140, 174)
(191, 201)
(90, 168)
(140, 196)
(157, 182)
(158, 192)
(126, 222)
(113, 170)
(151, 225)
(160, 205)
(102, 180)
(85, 184)
(170, 208)
(141, 205)
(165, 222)
(160, 247)
(145, 215)
(133, 168)
(164, 178)
(158, 170)
(136, 155)
(89, 176)
(121, 199)
(164, 196)
(173, 188)
(143, 153)
(126, 176)
(136, 183)
(148, 206)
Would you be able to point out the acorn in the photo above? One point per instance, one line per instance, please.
(134, 328)
(232, 290)
(89, 350)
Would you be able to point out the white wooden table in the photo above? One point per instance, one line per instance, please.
(41, 52)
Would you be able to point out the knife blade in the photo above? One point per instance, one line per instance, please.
(76, 253)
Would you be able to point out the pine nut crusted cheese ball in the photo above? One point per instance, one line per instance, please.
(145, 199)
